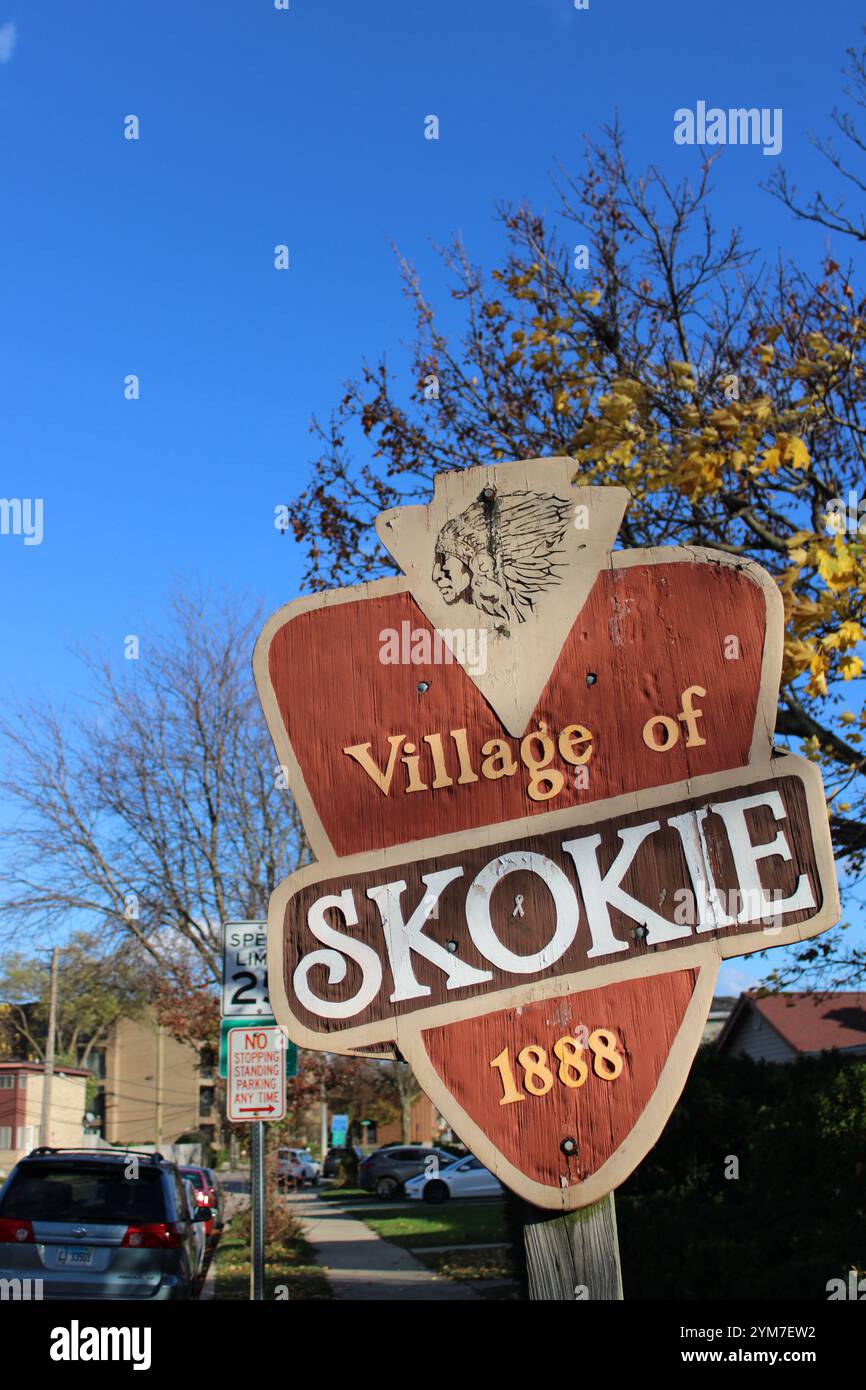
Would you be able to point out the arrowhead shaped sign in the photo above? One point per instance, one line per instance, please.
(500, 562)
(534, 850)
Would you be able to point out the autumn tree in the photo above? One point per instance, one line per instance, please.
(400, 1078)
(95, 989)
(635, 336)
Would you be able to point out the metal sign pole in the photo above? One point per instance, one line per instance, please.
(257, 1199)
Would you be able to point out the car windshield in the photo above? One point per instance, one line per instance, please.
(83, 1192)
(464, 1165)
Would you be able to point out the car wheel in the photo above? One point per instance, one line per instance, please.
(314, 1182)
(387, 1188)
(436, 1192)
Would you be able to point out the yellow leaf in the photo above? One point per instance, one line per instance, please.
(788, 451)
(848, 635)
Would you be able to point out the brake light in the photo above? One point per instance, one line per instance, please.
(156, 1235)
(14, 1232)
(203, 1198)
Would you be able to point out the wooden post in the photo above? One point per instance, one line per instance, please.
(575, 1255)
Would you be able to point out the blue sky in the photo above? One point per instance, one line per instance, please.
(302, 127)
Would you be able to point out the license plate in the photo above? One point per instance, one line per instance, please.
(74, 1255)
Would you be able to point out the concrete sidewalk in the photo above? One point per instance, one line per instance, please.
(360, 1265)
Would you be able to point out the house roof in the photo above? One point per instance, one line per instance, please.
(807, 1022)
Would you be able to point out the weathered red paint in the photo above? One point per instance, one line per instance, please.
(646, 633)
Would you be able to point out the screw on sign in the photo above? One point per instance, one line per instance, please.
(256, 1074)
(540, 946)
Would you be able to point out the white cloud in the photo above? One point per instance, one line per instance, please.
(8, 37)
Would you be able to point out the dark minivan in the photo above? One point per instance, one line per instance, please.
(96, 1223)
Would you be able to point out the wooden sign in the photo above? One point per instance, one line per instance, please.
(538, 777)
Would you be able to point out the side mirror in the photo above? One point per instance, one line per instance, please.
(202, 1214)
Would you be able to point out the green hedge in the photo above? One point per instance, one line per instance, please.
(796, 1215)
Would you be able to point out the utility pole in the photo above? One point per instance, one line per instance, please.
(48, 1074)
(160, 1067)
(324, 1115)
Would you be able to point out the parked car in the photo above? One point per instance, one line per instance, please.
(466, 1177)
(200, 1228)
(296, 1166)
(205, 1196)
(217, 1198)
(386, 1170)
(334, 1157)
(97, 1223)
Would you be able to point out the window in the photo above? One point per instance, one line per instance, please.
(205, 1100)
(5, 1137)
(22, 1081)
(98, 1192)
(7, 1083)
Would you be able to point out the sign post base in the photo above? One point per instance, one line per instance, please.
(257, 1203)
(573, 1256)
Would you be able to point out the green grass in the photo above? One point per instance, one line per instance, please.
(470, 1264)
(452, 1224)
(342, 1194)
(289, 1270)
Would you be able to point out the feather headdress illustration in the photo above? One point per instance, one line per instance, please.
(502, 554)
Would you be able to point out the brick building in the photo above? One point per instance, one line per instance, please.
(21, 1088)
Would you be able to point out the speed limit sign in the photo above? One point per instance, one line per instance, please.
(245, 970)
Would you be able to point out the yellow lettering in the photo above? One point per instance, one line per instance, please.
(497, 752)
(411, 759)
(466, 773)
(441, 779)
(541, 774)
(572, 736)
(361, 753)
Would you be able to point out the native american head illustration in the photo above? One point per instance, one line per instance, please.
(502, 554)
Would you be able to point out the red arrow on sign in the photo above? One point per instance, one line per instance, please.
(255, 1109)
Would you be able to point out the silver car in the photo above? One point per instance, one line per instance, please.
(98, 1223)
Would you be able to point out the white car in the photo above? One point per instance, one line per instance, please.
(297, 1165)
(466, 1177)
